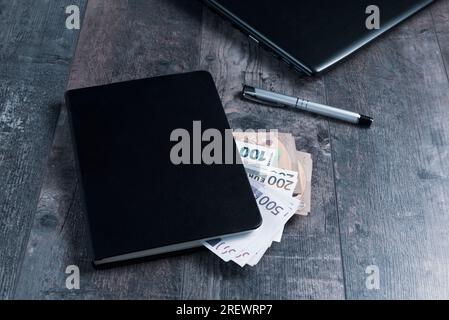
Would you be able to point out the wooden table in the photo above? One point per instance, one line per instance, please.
(380, 196)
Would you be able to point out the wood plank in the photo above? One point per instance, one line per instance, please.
(58, 233)
(440, 15)
(35, 55)
(127, 40)
(307, 263)
(119, 41)
(392, 179)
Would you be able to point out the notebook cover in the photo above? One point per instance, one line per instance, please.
(135, 198)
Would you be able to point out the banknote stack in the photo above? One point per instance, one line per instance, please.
(280, 178)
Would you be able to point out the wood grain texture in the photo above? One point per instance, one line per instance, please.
(391, 181)
(379, 196)
(307, 262)
(35, 56)
(311, 245)
(440, 16)
(119, 41)
(123, 40)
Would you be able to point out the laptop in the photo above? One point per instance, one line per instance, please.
(312, 35)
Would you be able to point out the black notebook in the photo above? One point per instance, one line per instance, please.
(138, 202)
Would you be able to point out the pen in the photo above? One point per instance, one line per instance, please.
(280, 100)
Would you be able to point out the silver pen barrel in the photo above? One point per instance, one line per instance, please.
(328, 111)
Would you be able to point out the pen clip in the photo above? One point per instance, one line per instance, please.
(248, 93)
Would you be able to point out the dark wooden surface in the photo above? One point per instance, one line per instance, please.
(391, 182)
(36, 51)
(380, 196)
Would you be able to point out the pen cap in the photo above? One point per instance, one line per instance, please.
(266, 97)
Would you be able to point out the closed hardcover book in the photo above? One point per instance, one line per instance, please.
(139, 202)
